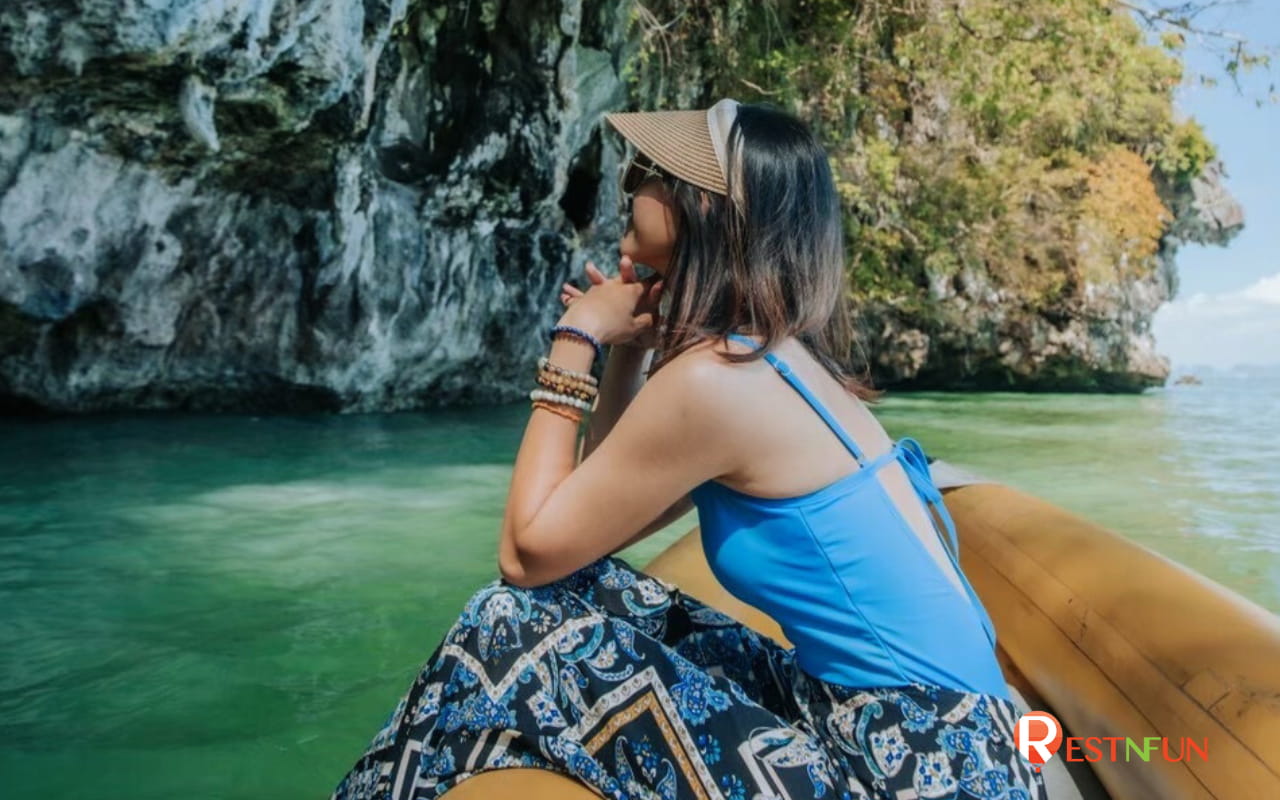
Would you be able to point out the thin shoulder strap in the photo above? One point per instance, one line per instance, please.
(784, 369)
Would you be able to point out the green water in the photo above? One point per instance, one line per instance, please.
(228, 607)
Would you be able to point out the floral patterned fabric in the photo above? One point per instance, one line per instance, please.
(638, 690)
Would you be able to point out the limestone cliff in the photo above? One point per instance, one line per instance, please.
(339, 205)
(976, 335)
(294, 205)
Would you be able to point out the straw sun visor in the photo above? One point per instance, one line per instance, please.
(678, 141)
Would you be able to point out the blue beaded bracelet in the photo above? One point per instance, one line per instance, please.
(580, 334)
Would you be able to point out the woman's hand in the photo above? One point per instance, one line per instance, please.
(617, 311)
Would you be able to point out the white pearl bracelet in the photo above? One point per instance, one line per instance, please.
(556, 397)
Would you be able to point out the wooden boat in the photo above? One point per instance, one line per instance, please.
(1111, 638)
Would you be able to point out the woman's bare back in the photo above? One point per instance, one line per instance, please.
(783, 448)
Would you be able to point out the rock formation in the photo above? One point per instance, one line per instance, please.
(279, 205)
(1098, 339)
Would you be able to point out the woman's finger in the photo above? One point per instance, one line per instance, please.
(655, 291)
(570, 289)
(594, 274)
(627, 269)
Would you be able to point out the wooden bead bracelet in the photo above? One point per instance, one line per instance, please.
(573, 390)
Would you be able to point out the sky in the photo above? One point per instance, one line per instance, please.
(1227, 310)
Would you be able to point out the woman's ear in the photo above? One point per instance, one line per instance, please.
(706, 201)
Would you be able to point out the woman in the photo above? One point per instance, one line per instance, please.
(574, 661)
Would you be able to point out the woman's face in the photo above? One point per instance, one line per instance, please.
(651, 230)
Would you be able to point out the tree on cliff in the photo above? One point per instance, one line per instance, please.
(1026, 152)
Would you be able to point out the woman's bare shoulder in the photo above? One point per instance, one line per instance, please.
(702, 358)
(701, 381)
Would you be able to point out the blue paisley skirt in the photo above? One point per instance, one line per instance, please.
(638, 690)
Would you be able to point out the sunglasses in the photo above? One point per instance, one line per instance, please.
(637, 172)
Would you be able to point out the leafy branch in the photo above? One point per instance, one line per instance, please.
(1177, 21)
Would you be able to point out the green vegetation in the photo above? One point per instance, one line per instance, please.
(1021, 143)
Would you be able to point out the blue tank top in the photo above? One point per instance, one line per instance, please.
(847, 579)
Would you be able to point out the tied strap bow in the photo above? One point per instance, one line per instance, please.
(916, 464)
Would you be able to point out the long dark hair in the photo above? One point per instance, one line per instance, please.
(774, 262)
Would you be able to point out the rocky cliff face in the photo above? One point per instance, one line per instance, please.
(979, 336)
(335, 205)
(294, 205)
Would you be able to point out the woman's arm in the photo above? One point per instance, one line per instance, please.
(546, 454)
(550, 499)
(672, 437)
(622, 378)
(675, 512)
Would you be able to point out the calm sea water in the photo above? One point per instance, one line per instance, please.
(200, 606)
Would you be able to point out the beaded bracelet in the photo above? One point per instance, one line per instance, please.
(563, 399)
(548, 364)
(567, 386)
(567, 413)
(578, 333)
